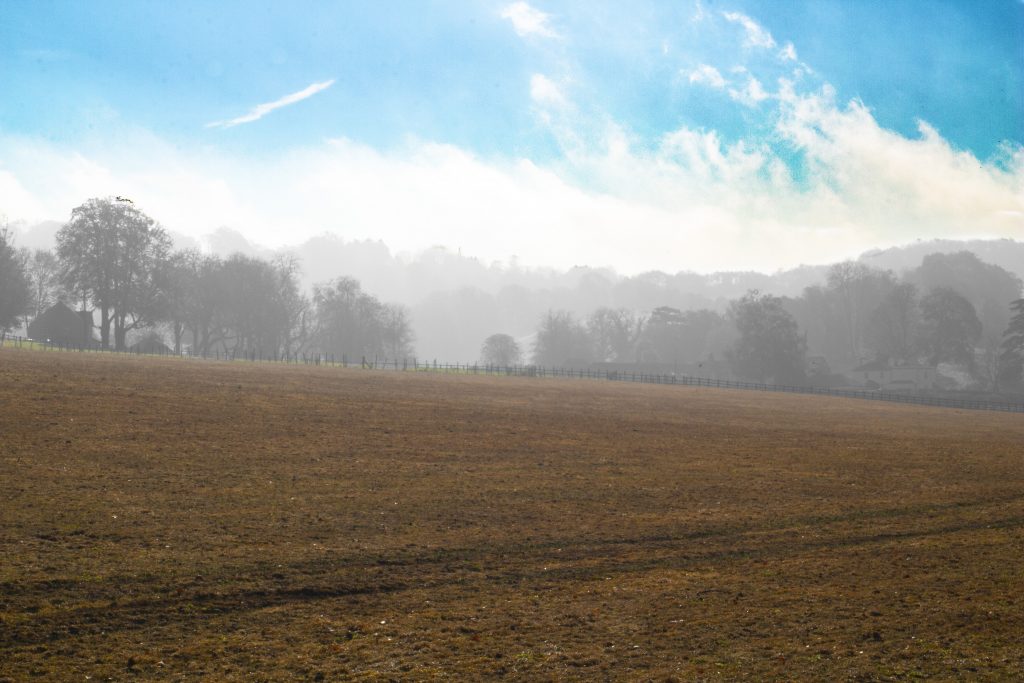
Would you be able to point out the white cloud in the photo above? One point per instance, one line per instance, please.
(261, 110)
(739, 204)
(751, 95)
(757, 35)
(693, 201)
(901, 184)
(788, 53)
(527, 20)
(690, 200)
(708, 75)
(544, 92)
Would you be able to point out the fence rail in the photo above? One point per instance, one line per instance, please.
(415, 365)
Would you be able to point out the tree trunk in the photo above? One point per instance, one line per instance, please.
(105, 327)
(119, 333)
(179, 332)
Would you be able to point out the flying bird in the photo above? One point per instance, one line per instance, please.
(123, 199)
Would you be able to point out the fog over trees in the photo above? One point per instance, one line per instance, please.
(1010, 366)
(350, 321)
(15, 286)
(770, 347)
(923, 305)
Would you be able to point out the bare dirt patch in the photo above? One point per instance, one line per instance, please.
(165, 519)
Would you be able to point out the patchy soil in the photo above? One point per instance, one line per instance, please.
(171, 520)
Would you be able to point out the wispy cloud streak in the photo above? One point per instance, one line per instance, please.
(757, 35)
(261, 110)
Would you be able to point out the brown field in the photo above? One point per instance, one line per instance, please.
(168, 520)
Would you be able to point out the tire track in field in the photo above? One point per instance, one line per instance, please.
(442, 555)
(330, 579)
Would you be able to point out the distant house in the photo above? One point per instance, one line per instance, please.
(60, 325)
(883, 374)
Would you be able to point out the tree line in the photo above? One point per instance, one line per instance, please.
(954, 309)
(113, 259)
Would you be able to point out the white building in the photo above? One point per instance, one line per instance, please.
(882, 374)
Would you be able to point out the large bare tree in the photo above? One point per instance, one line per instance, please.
(615, 333)
(111, 254)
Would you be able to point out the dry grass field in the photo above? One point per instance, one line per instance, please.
(172, 520)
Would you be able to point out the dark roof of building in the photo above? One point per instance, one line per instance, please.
(60, 324)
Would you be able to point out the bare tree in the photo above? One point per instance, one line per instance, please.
(989, 365)
(892, 327)
(1011, 357)
(350, 321)
(15, 288)
(296, 305)
(950, 327)
(859, 290)
(397, 331)
(561, 340)
(501, 350)
(663, 335)
(43, 270)
(614, 333)
(111, 253)
(178, 279)
(253, 302)
(770, 347)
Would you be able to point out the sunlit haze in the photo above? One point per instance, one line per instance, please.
(643, 135)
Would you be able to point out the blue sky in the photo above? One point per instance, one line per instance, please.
(624, 134)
